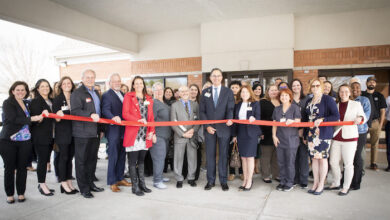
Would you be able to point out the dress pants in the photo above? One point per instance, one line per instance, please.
(179, 153)
(345, 151)
(86, 157)
(358, 161)
(388, 142)
(158, 153)
(269, 162)
(15, 156)
(302, 164)
(211, 148)
(116, 160)
(43, 153)
(65, 158)
(374, 139)
(286, 163)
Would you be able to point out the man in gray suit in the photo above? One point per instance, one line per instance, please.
(185, 136)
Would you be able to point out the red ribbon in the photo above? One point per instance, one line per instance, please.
(198, 122)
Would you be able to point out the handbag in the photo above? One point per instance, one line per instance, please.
(235, 157)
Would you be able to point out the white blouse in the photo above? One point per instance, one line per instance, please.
(243, 111)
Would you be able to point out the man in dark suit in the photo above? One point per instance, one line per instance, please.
(85, 102)
(217, 103)
(112, 108)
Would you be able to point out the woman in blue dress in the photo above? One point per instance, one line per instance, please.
(246, 136)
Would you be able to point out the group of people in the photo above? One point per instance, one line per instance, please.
(280, 153)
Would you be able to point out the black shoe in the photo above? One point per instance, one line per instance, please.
(10, 201)
(225, 187)
(332, 188)
(43, 193)
(311, 191)
(241, 188)
(141, 179)
(277, 180)
(343, 194)
(247, 189)
(354, 187)
(134, 180)
(267, 181)
(97, 189)
(209, 186)
(87, 195)
(318, 193)
(287, 188)
(75, 191)
(280, 187)
(21, 200)
(66, 192)
(303, 186)
(179, 184)
(192, 183)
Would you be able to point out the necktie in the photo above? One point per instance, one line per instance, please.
(215, 97)
(187, 110)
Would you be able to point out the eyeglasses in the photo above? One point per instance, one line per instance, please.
(315, 86)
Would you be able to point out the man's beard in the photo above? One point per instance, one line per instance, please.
(370, 87)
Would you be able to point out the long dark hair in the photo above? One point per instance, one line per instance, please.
(301, 95)
(262, 89)
(144, 92)
(39, 82)
(60, 84)
(172, 99)
(18, 83)
(197, 95)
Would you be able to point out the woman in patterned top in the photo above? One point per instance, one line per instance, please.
(319, 108)
(138, 106)
(15, 140)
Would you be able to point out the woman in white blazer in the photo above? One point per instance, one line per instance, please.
(345, 140)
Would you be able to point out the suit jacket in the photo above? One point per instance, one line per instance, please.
(250, 130)
(41, 132)
(111, 107)
(223, 110)
(82, 104)
(178, 113)
(63, 128)
(354, 110)
(14, 118)
(131, 112)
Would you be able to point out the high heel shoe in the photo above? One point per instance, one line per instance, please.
(248, 189)
(66, 192)
(43, 193)
(75, 190)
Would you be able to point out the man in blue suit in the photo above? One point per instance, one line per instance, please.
(112, 108)
(217, 103)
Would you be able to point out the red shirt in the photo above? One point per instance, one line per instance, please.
(342, 109)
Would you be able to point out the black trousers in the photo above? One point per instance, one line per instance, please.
(15, 155)
(43, 153)
(211, 152)
(302, 164)
(65, 158)
(358, 161)
(85, 160)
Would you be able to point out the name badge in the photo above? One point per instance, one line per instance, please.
(283, 120)
(249, 108)
(88, 100)
(207, 94)
(64, 108)
(376, 98)
(195, 117)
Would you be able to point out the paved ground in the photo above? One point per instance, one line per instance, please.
(262, 202)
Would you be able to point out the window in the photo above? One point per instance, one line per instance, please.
(170, 81)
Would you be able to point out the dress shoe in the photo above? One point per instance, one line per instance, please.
(267, 181)
(303, 186)
(209, 186)
(179, 184)
(97, 189)
(115, 188)
(66, 192)
(318, 193)
(280, 187)
(10, 201)
(241, 188)
(123, 183)
(22, 200)
(287, 188)
(231, 177)
(192, 183)
(311, 191)
(141, 179)
(75, 190)
(225, 187)
(354, 188)
(43, 193)
(87, 195)
(160, 185)
(332, 188)
(343, 193)
(248, 189)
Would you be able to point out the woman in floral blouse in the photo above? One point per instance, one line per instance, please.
(320, 108)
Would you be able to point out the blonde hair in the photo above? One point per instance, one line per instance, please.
(311, 83)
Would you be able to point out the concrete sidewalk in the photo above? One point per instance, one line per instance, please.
(262, 202)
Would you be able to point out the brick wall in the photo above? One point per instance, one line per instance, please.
(339, 56)
(167, 65)
(305, 77)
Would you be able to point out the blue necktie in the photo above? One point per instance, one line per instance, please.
(215, 97)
